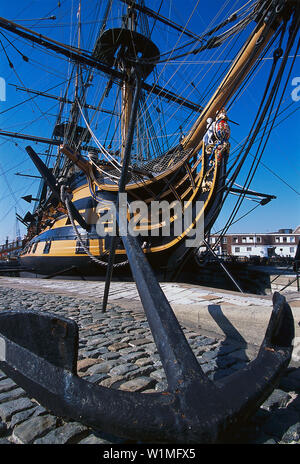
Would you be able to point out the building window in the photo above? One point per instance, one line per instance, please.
(224, 240)
(249, 248)
(292, 249)
(250, 239)
(284, 239)
(47, 247)
(237, 249)
(258, 239)
(277, 239)
(244, 239)
(235, 240)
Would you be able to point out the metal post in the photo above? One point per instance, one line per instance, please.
(223, 267)
(122, 183)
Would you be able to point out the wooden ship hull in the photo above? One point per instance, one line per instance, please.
(191, 178)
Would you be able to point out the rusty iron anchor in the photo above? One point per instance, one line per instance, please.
(39, 352)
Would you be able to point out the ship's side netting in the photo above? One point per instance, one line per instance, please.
(165, 162)
(155, 166)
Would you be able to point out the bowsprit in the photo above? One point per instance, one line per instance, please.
(39, 352)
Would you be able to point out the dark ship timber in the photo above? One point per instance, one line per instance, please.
(62, 238)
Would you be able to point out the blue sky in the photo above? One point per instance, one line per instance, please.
(44, 71)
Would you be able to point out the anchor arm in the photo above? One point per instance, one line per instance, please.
(248, 388)
(67, 395)
(199, 411)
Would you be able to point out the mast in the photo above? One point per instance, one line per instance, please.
(127, 93)
(153, 14)
(125, 112)
(93, 61)
(269, 14)
(74, 109)
(78, 46)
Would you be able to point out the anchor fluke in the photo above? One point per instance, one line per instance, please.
(280, 331)
(39, 352)
(52, 338)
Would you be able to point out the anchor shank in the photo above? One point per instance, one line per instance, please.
(178, 359)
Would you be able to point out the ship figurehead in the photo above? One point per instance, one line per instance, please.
(216, 138)
(222, 134)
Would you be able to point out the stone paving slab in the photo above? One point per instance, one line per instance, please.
(132, 365)
(173, 291)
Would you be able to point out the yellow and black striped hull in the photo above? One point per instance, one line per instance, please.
(57, 247)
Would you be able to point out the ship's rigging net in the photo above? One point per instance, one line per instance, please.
(156, 129)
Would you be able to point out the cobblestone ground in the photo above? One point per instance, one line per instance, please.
(117, 350)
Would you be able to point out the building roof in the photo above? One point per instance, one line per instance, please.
(295, 232)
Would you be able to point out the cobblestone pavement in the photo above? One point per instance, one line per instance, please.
(117, 350)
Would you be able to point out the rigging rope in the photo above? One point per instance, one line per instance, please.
(103, 150)
(176, 71)
(231, 18)
(269, 104)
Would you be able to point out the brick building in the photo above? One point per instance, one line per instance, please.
(282, 243)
